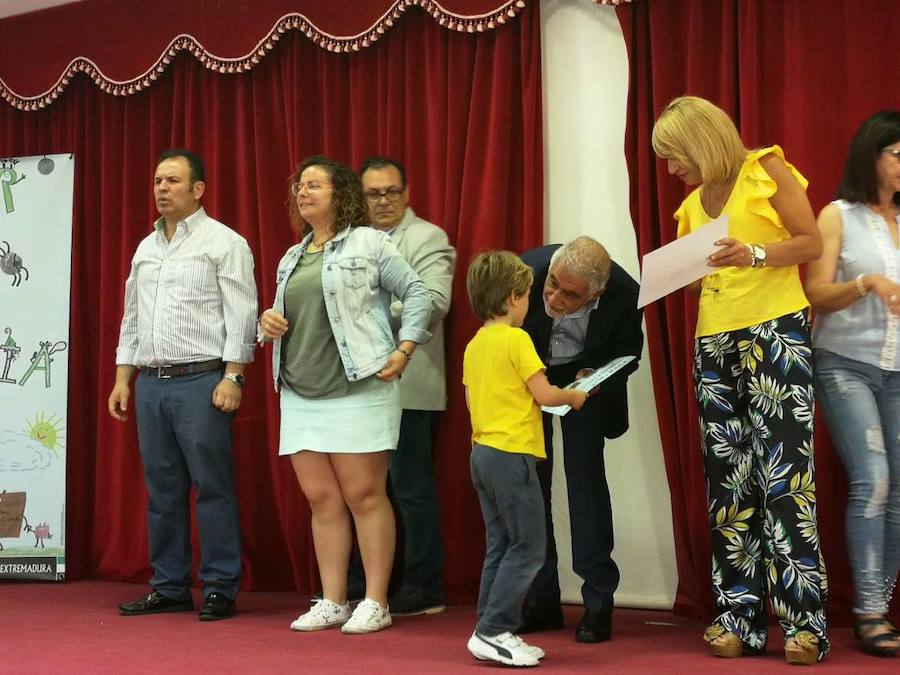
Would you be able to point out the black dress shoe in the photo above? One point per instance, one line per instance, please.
(413, 601)
(155, 603)
(216, 606)
(595, 626)
(536, 619)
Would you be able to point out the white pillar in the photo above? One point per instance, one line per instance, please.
(585, 79)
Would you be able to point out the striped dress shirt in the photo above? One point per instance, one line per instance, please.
(568, 334)
(190, 299)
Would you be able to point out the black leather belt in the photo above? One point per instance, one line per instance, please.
(165, 372)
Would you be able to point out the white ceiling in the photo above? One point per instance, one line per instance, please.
(12, 7)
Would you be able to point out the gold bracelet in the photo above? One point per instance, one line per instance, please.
(861, 290)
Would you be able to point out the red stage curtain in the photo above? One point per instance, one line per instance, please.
(462, 111)
(803, 75)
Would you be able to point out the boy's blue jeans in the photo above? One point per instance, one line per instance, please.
(513, 512)
(861, 405)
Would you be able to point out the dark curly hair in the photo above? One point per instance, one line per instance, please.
(347, 198)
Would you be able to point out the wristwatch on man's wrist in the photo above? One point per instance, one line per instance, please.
(757, 255)
(237, 378)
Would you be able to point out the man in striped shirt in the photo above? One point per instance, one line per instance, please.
(189, 329)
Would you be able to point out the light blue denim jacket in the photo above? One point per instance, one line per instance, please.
(361, 268)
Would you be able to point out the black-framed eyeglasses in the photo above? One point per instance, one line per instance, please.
(893, 152)
(391, 194)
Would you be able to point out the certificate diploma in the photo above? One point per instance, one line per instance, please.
(681, 262)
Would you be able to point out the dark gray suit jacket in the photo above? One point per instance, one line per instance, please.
(614, 329)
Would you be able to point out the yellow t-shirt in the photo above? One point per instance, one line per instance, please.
(737, 297)
(497, 363)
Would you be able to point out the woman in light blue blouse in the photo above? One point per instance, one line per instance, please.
(336, 364)
(854, 291)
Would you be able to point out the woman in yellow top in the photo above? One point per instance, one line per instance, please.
(753, 375)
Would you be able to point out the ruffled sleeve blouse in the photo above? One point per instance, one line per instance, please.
(732, 298)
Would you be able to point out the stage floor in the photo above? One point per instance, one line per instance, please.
(75, 628)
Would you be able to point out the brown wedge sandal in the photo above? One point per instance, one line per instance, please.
(802, 649)
(728, 645)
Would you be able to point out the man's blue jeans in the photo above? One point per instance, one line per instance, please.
(185, 441)
(861, 405)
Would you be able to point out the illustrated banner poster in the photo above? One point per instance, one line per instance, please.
(35, 264)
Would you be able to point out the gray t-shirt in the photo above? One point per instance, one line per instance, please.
(310, 362)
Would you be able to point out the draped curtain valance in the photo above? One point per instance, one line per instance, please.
(124, 47)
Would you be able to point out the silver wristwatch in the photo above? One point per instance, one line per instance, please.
(237, 378)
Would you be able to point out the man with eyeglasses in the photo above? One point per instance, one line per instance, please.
(426, 248)
(582, 314)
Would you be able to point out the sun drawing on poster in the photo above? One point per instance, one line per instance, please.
(48, 431)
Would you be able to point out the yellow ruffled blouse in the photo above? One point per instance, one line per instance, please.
(738, 297)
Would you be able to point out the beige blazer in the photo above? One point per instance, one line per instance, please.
(428, 251)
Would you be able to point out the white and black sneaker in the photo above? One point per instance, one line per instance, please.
(368, 617)
(323, 614)
(506, 648)
(537, 651)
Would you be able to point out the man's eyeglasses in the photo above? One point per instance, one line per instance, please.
(311, 186)
(391, 194)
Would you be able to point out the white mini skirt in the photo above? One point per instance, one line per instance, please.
(365, 420)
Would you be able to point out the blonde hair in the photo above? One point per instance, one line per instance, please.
(699, 134)
(492, 277)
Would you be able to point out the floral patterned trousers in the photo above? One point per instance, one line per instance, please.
(755, 398)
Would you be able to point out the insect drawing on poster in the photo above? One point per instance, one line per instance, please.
(11, 263)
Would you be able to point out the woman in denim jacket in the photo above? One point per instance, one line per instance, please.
(854, 290)
(336, 366)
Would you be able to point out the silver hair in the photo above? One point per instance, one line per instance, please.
(586, 258)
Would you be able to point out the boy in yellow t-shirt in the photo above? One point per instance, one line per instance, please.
(505, 387)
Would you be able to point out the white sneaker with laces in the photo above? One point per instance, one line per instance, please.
(368, 617)
(505, 648)
(323, 614)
